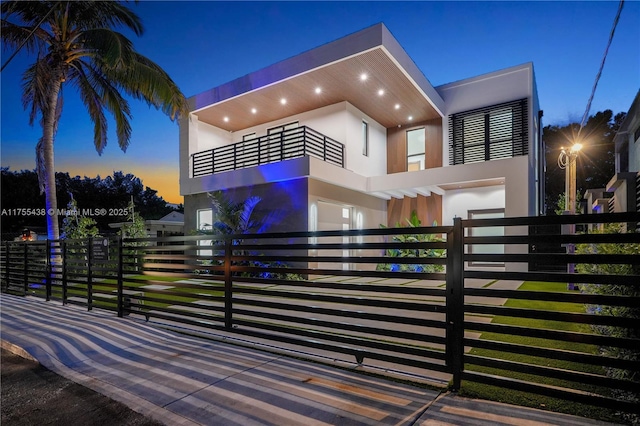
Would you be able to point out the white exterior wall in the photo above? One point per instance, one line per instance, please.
(634, 154)
(495, 88)
(375, 163)
(341, 121)
(489, 89)
(203, 136)
(458, 202)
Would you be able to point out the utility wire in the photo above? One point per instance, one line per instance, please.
(29, 36)
(604, 57)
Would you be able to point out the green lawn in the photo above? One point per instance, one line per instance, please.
(482, 391)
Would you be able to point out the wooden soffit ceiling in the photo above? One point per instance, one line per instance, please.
(339, 81)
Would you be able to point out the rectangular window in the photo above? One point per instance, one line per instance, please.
(205, 223)
(498, 131)
(415, 150)
(365, 138)
(487, 231)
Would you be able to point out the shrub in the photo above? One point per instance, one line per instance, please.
(616, 311)
(412, 222)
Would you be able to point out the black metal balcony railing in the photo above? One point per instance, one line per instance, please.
(271, 148)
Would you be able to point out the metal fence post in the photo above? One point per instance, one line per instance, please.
(25, 270)
(49, 270)
(63, 249)
(7, 262)
(89, 274)
(455, 302)
(228, 285)
(120, 278)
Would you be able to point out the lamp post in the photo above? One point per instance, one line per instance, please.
(567, 161)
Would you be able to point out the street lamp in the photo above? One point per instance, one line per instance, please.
(567, 161)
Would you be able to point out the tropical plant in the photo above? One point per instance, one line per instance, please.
(75, 225)
(232, 217)
(561, 203)
(135, 226)
(412, 222)
(76, 43)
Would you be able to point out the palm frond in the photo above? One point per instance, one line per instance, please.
(40, 165)
(247, 224)
(146, 80)
(15, 36)
(107, 47)
(99, 93)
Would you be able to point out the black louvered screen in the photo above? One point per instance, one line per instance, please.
(489, 133)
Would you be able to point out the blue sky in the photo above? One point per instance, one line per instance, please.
(204, 44)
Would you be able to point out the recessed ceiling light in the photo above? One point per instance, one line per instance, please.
(253, 110)
(283, 101)
(226, 119)
(380, 92)
(318, 90)
(397, 106)
(363, 76)
(410, 117)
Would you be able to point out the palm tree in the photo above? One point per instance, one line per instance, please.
(76, 44)
(232, 217)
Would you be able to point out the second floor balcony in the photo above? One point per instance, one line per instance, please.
(274, 147)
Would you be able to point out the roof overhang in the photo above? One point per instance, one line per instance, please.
(336, 69)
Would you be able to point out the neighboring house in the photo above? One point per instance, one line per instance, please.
(352, 135)
(625, 184)
(622, 193)
(169, 225)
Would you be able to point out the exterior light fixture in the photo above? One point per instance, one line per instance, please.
(283, 101)
(253, 110)
(397, 106)
(380, 92)
(363, 77)
(318, 90)
(226, 119)
(410, 117)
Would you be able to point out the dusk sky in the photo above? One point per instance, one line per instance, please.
(204, 44)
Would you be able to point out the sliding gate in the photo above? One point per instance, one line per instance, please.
(444, 303)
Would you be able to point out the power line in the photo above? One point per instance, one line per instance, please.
(604, 57)
(29, 36)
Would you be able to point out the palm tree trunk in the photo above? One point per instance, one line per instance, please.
(48, 130)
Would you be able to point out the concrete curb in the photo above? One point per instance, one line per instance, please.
(132, 401)
(17, 350)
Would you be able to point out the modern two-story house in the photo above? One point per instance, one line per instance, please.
(352, 135)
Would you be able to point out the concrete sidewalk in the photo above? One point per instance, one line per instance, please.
(181, 380)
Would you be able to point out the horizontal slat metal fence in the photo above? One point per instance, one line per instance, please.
(318, 290)
(450, 300)
(558, 325)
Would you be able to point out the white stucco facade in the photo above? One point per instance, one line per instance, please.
(365, 185)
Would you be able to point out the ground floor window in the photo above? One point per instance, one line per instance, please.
(486, 231)
(205, 223)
